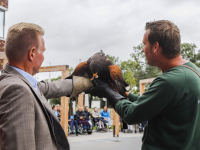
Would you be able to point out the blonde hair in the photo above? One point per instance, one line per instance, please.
(20, 39)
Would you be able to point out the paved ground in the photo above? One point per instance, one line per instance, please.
(106, 141)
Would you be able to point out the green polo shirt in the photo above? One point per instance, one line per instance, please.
(172, 108)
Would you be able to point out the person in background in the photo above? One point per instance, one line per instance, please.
(97, 118)
(87, 113)
(130, 128)
(81, 118)
(73, 123)
(106, 115)
(55, 110)
(58, 110)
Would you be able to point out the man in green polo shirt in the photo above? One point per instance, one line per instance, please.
(172, 103)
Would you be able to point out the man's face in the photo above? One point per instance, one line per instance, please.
(148, 49)
(39, 56)
(95, 109)
(80, 108)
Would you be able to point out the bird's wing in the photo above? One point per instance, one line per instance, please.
(116, 76)
(83, 70)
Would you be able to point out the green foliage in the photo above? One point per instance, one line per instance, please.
(127, 68)
(53, 79)
(55, 101)
(71, 70)
(114, 60)
(190, 52)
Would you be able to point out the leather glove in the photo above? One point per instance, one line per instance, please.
(101, 89)
(80, 84)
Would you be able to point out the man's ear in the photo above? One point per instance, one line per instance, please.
(31, 53)
(156, 47)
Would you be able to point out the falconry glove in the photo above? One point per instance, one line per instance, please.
(101, 89)
(80, 84)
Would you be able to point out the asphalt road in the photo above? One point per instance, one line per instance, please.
(105, 141)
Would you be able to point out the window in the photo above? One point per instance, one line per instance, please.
(2, 22)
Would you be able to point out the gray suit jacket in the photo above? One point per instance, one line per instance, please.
(27, 121)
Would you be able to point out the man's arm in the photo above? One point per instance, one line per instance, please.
(56, 88)
(101, 113)
(93, 114)
(156, 100)
(17, 118)
(71, 86)
(84, 116)
(77, 114)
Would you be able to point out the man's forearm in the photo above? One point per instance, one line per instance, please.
(56, 88)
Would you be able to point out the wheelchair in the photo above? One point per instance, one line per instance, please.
(70, 131)
(80, 128)
(97, 126)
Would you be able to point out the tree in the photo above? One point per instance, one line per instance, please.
(190, 52)
(114, 60)
(71, 70)
(127, 68)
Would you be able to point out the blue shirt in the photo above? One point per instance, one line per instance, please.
(29, 77)
(105, 114)
(56, 113)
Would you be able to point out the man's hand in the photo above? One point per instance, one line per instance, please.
(105, 119)
(101, 89)
(127, 94)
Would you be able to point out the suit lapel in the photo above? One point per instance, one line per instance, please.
(39, 96)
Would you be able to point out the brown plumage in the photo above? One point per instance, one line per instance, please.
(99, 66)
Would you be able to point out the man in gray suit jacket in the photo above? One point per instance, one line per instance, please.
(26, 119)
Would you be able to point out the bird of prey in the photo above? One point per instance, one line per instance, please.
(99, 66)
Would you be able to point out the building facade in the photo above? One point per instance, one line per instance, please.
(3, 9)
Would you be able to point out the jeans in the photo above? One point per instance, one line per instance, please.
(108, 121)
(90, 124)
(72, 123)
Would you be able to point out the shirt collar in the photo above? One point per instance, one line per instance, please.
(29, 77)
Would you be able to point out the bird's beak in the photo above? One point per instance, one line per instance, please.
(94, 76)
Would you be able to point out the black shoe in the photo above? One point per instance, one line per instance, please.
(105, 129)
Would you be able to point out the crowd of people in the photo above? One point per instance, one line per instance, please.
(87, 119)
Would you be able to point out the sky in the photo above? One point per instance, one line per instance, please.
(76, 29)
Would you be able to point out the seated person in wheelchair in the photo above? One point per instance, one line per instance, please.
(87, 113)
(81, 118)
(106, 115)
(73, 123)
(97, 118)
